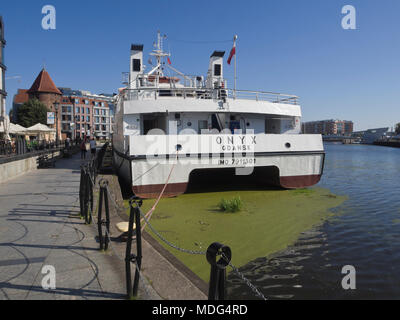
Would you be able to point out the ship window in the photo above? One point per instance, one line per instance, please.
(217, 70)
(136, 65)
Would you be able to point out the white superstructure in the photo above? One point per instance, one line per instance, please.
(170, 126)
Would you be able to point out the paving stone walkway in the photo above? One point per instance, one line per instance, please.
(40, 226)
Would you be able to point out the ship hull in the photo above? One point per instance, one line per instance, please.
(290, 170)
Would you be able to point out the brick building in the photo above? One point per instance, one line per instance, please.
(80, 113)
(328, 127)
(84, 113)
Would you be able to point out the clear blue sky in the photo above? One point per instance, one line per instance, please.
(296, 47)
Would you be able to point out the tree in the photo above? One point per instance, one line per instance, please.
(31, 113)
(397, 130)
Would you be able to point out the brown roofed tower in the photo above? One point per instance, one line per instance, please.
(46, 92)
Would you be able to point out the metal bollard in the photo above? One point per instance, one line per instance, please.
(217, 289)
(129, 257)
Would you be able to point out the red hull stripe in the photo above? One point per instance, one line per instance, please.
(295, 182)
(176, 189)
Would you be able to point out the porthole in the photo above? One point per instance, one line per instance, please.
(288, 145)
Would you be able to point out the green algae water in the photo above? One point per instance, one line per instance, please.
(268, 222)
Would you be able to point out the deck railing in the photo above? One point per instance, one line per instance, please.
(154, 93)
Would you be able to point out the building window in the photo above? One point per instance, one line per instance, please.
(66, 109)
(86, 102)
(96, 119)
(88, 110)
(96, 111)
(77, 109)
(87, 118)
(76, 100)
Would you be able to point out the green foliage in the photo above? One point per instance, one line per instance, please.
(233, 205)
(31, 113)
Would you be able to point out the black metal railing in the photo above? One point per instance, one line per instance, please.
(217, 255)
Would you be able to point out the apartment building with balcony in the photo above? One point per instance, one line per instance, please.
(328, 127)
(86, 114)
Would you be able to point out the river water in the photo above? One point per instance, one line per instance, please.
(365, 234)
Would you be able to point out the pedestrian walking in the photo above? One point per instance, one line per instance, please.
(67, 143)
(83, 149)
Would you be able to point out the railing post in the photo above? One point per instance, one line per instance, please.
(129, 257)
(90, 200)
(99, 222)
(104, 241)
(86, 195)
(82, 191)
(107, 222)
(217, 288)
(138, 248)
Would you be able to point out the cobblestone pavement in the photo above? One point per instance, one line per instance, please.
(40, 226)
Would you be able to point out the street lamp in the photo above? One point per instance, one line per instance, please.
(56, 106)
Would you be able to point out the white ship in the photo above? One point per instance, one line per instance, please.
(171, 128)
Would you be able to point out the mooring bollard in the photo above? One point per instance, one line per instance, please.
(217, 289)
(104, 241)
(134, 216)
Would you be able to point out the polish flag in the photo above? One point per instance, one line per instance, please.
(233, 52)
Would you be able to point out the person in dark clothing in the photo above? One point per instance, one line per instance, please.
(83, 149)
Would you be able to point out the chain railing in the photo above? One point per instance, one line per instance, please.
(217, 285)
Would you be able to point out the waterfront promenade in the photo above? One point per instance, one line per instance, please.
(40, 226)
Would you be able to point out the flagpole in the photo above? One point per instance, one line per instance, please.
(235, 77)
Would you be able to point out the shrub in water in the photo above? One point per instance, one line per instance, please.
(233, 205)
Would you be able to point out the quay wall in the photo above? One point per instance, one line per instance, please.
(393, 144)
(17, 166)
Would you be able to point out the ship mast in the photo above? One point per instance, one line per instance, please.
(159, 53)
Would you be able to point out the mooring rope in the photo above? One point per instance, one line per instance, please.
(151, 211)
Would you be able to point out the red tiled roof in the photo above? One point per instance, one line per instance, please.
(22, 96)
(44, 83)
